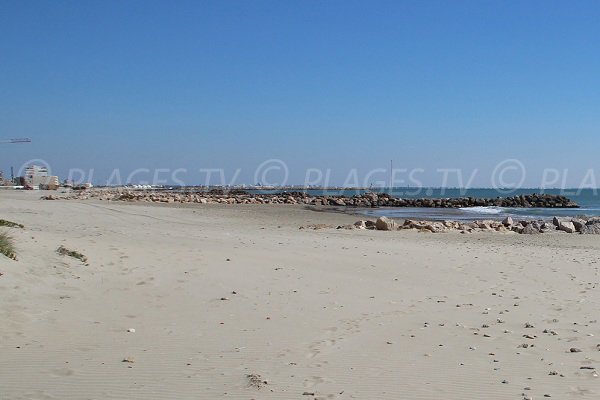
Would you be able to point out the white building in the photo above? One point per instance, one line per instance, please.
(36, 175)
(35, 170)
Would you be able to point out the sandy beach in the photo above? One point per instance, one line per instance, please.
(218, 302)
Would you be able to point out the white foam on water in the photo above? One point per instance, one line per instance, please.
(483, 210)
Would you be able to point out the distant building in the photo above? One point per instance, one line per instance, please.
(46, 182)
(36, 170)
(36, 175)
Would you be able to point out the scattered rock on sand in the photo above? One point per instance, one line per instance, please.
(530, 229)
(578, 223)
(548, 227)
(360, 224)
(590, 229)
(566, 226)
(385, 224)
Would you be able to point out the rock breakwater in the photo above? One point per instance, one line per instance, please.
(366, 200)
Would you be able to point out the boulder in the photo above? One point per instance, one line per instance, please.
(548, 226)
(556, 221)
(592, 229)
(385, 224)
(370, 224)
(537, 225)
(360, 224)
(578, 223)
(566, 226)
(435, 227)
(463, 228)
(508, 221)
(530, 229)
(485, 225)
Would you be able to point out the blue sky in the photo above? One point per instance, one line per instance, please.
(337, 85)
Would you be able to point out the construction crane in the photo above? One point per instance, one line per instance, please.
(21, 140)
(11, 141)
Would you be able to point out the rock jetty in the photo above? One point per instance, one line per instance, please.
(366, 200)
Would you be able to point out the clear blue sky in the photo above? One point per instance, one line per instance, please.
(318, 84)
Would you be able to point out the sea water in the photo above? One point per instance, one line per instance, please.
(588, 200)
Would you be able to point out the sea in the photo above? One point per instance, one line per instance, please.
(588, 200)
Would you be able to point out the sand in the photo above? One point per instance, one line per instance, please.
(225, 298)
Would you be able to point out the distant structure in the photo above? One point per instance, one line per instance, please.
(37, 177)
(36, 170)
(3, 181)
(20, 140)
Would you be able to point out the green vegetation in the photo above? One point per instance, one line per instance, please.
(10, 224)
(7, 246)
(63, 251)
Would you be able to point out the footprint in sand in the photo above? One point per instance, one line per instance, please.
(63, 372)
(145, 282)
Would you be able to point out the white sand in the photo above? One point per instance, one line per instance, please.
(342, 314)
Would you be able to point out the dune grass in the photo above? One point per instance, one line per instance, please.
(11, 224)
(7, 245)
(63, 251)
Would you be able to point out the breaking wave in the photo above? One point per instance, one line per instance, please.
(483, 210)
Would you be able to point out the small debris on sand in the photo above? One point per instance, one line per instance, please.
(256, 381)
(575, 350)
(63, 251)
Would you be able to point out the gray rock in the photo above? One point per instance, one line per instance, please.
(370, 224)
(508, 221)
(537, 225)
(566, 226)
(578, 223)
(486, 224)
(556, 221)
(360, 225)
(548, 226)
(385, 224)
(530, 229)
(593, 229)
(517, 228)
(435, 227)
